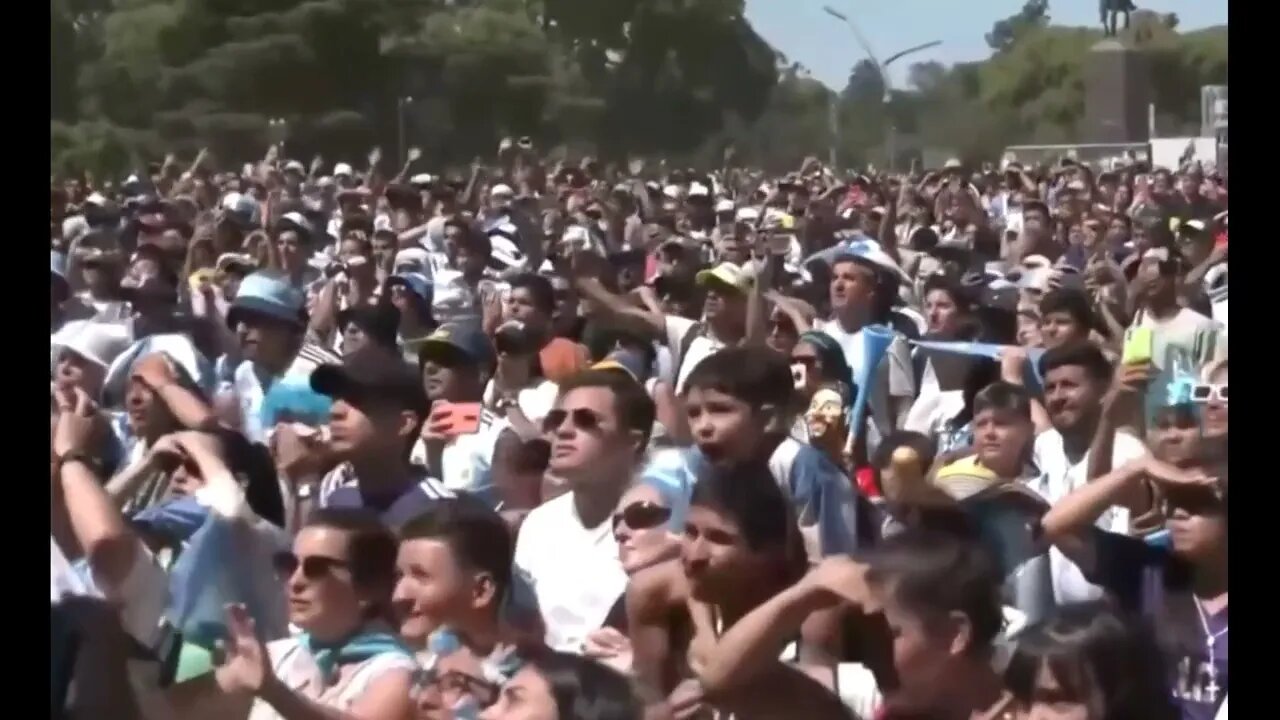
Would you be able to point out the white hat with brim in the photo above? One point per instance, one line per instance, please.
(98, 342)
(868, 252)
(193, 369)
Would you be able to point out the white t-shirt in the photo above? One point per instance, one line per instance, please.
(535, 402)
(699, 348)
(1058, 479)
(894, 377)
(298, 670)
(571, 574)
(467, 460)
(1190, 332)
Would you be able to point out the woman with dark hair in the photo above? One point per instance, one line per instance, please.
(339, 581)
(559, 686)
(1089, 663)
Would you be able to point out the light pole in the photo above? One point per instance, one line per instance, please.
(882, 68)
(278, 129)
(402, 104)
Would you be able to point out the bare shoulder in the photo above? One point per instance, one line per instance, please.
(657, 587)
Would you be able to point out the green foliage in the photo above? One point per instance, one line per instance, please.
(132, 79)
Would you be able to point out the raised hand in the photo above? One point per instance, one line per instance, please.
(245, 665)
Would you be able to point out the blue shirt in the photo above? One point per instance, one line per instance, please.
(341, 489)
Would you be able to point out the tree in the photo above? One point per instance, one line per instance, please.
(1035, 13)
(865, 84)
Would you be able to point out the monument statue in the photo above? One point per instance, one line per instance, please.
(1110, 10)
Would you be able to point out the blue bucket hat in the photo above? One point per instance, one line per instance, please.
(417, 283)
(271, 295)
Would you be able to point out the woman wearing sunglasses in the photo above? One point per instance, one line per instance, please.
(347, 658)
(642, 526)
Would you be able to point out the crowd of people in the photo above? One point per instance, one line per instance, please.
(576, 441)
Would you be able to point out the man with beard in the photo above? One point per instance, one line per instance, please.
(1086, 409)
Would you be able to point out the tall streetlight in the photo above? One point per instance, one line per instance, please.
(278, 131)
(883, 69)
(402, 104)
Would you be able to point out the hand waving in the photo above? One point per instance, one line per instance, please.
(245, 665)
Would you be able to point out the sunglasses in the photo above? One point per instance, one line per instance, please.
(582, 418)
(314, 567)
(808, 361)
(1196, 501)
(456, 682)
(1205, 393)
(642, 515)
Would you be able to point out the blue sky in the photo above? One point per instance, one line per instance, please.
(824, 45)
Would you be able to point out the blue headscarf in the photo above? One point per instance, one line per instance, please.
(834, 363)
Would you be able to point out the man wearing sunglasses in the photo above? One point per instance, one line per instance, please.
(378, 411)
(566, 557)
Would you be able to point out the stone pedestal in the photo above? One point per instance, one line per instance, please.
(1117, 94)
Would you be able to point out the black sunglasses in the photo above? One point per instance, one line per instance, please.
(314, 567)
(583, 419)
(808, 361)
(642, 515)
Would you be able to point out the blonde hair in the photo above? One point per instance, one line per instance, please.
(1212, 368)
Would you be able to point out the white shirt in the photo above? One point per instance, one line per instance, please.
(250, 392)
(894, 375)
(467, 460)
(572, 573)
(535, 402)
(298, 671)
(1059, 478)
(699, 348)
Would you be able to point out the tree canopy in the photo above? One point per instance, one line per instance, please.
(133, 79)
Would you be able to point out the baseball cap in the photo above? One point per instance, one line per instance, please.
(295, 166)
(372, 373)
(296, 221)
(342, 169)
(380, 322)
(626, 361)
(501, 190)
(726, 273)
(453, 338)
(414, 259)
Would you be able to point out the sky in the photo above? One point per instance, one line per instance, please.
(826, 47)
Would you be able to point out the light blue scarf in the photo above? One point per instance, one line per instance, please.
(355, 649)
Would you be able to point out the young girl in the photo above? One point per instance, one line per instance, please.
(1091, 663)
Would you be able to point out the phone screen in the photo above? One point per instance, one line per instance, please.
(1138, 346)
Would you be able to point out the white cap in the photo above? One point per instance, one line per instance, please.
(415, 258)
(421, 179)
(748, 214)
(98, 342)
(724, 205)
(501, 190)
(96, 199)
(298, 220)
(342, 169)
(698, 190)
(671, 191)
(74, 227)
(952, 164)
(295, 166)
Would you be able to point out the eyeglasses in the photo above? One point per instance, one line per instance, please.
(314, 567)
(642, 515)
(583, 419)
(1205, 392)
(457, 682)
